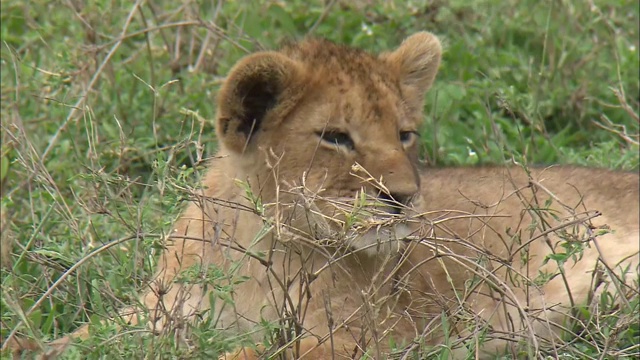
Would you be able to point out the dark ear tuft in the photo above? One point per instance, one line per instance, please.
(260, 88)
(260, 96)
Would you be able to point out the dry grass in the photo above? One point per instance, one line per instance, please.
(105, 129)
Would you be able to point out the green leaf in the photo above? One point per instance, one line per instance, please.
(253, 25)
(558, 257)
(283, 18)
(4, 167)
(36, 318)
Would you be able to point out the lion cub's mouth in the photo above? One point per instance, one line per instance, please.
(363, 224)
(379, 240)
(379, 229)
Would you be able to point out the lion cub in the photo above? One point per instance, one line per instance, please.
(324, 139)
(316, 212)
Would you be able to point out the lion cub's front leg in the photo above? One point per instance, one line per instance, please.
(241, 354)
(341, 346)
(309, 348)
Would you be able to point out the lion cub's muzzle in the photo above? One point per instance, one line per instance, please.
(383, 230)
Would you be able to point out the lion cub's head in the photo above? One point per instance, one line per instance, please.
(331, 129)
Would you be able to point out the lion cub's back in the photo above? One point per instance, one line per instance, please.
(492, 191)
(614, 193)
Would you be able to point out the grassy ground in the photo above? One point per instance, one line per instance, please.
(107, 116)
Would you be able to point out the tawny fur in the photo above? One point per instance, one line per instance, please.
(275, 114)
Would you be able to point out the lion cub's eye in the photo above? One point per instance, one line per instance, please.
(407, 137)
(336, 138)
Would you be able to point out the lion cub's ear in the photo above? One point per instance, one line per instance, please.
(416, 61)
(260, 89)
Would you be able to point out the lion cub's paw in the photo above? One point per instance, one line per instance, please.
(307, 346)
(243, 354)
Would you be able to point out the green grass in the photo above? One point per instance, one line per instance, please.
(107, 117)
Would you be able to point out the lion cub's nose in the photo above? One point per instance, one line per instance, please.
(403, 199)
(396, 201)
